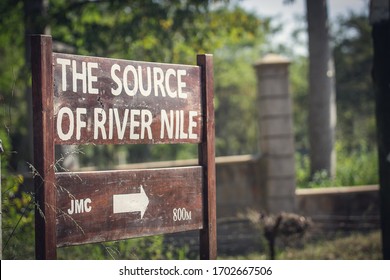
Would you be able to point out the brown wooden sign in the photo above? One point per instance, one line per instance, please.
(110, 101)
(113, 205)
(92, 100)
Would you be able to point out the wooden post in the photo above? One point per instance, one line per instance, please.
(208, 235)
(44, 180)
(380, 20)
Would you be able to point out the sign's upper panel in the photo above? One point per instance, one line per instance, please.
(111, 101)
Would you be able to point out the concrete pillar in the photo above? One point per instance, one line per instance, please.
(276, 133)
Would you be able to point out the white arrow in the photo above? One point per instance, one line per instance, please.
(134, 202)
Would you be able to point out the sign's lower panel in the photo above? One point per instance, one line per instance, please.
(114, 205)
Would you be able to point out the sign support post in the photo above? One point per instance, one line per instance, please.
(44, 183)
(208, 235)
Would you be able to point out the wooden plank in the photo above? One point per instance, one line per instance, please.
(42, 90)
(114, 205)
(112, 101)
(208, 235)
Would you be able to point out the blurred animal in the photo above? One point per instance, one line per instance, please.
(284, 225)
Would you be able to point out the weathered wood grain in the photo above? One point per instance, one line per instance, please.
(104, 100)
(42, 91)
(208, 235)
(167, 189)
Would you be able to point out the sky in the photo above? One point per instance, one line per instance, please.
(285, 13)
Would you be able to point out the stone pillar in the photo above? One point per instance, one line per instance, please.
(276, 133)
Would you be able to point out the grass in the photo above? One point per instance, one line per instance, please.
(356, 246)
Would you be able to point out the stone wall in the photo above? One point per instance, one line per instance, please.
(240, 181)
(341, 208)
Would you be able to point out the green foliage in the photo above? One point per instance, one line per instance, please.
(299, 89)
(354, 168)
(235, 83)
(17, 208)
(6, 143)
(355, 97)
(13, 75)
(17, 219)
(109, 156)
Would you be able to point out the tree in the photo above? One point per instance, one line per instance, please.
(380, 20)
(322, 97)
(322, 101)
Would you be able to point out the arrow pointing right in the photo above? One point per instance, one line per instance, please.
(134, 202)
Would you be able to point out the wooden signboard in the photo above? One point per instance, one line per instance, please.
(112, 205)
(91, 100)
(107, 101)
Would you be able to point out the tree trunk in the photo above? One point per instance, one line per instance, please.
(35, 22)
(322, 103)
(380, 20)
